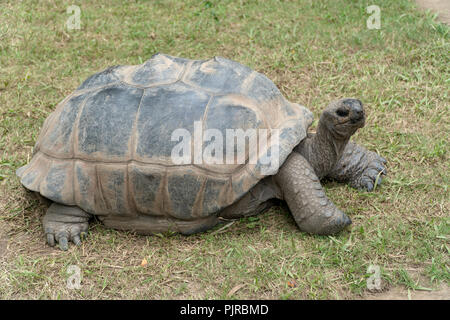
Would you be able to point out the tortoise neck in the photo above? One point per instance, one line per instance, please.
(322, 149)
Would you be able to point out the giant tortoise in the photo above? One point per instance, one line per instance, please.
(108, 150)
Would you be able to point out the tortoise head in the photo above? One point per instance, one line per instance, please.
(343, 117)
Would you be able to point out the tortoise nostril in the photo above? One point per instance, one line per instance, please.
(356, 107)
(357, 115)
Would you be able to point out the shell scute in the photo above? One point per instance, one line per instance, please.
(106, 123)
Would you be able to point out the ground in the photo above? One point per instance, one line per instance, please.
(439, 7)
(315, 52)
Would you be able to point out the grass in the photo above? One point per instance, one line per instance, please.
(315, 51)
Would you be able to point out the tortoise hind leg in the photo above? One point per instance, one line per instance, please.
(63, 223)
(260, 198)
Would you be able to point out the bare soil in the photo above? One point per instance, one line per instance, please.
(441, 7)
(399, 293)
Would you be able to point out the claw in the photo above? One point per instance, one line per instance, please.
(64, 243)
(346, 221)
(379, 167)
(372, 173)
(76, 240)
(63, 240)
(378, 180)
(50, 239)
(336, 225)
(367, 184)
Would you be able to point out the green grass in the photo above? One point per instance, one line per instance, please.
(315, 51)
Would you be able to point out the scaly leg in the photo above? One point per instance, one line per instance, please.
(312, 210)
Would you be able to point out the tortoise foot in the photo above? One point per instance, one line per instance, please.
(327, 222)
(373, 174)
(65, 223)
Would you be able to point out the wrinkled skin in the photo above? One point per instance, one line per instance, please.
(327, 153)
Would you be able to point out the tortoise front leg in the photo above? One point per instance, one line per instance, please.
(312, 210)
(64, 223)
(359, 167)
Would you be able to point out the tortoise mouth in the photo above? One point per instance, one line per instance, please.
(358, 120)
(349, 127)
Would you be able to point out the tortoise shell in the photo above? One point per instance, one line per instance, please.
(107, 146)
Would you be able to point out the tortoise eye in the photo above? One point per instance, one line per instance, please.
(342, 112)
